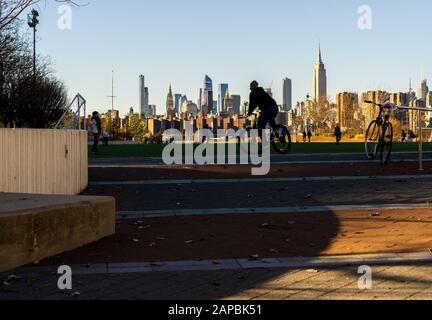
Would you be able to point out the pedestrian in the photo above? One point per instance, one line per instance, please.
(338, 134)
(404, 136)
(96, 130)
(309, 135)
(304, 136)
(106, 138)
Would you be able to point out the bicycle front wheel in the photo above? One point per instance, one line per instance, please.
(386, 143)
(282, 139)
(372, 138)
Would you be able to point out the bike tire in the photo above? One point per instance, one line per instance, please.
(386, 144)
(372, 138)
(282, 141)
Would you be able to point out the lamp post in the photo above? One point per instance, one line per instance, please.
(33, 21)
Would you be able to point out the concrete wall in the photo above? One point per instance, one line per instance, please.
(35, 227)
(43, 161)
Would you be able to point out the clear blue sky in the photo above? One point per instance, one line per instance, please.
(178, 42)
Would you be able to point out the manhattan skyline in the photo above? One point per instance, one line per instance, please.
(134, 38)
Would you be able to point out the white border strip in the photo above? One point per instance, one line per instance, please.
(257, 180)
(238, 264)
(276, 210)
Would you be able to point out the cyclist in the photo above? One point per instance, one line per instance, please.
(260, 99)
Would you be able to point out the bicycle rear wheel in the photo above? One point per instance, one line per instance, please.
(386, 143)
(282, 139)
(372, 138)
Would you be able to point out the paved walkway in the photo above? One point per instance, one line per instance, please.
(277, 159)
(404, 281)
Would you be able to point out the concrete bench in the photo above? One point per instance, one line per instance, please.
(35, 227)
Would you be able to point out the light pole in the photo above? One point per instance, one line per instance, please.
(33, 22)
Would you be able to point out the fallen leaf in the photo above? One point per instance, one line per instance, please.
(375, 214)
(312, 271)
(135, 240)
(254, 257)
(189, 242)
(265, 225)
(274, 251)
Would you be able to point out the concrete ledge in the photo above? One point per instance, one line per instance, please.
(35, 227)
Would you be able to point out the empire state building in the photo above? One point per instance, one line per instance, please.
(320, 79)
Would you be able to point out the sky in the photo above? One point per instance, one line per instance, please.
(179, 42)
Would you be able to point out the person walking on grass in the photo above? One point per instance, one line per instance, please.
(404, 137)
(96, 130)
(309, 135)
(304, 136)
(338, 134)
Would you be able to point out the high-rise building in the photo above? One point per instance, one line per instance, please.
(401, 99)
(369, 111)
(346, 107)
(223, 88)
(228, 104)
(423, 90)
(286, 94)
(320, 79)
(429, 99)
(143, 98)
(170, 104)
(177, 103)
(236, 102)
(207, 103)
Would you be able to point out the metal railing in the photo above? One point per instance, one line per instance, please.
(81, 103)
(420, 129)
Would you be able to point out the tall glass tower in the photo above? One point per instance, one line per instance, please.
(286, 94)
(223, 89)
(208, 95)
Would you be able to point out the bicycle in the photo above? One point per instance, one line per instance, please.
(280, 137)
(379, 135)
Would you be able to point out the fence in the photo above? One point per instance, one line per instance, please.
(43, 161)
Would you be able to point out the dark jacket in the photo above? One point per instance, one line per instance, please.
(259, 98)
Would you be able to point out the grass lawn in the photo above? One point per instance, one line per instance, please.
(140, 151)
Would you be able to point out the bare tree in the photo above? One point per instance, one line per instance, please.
(25, 102)
(10, 10)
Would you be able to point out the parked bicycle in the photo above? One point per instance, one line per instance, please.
(280, 137)
(379, 135)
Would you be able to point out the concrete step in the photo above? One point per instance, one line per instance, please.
(35, 227)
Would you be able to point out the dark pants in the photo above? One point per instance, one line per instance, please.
(267, 116)
(95, 142)
(338, 139)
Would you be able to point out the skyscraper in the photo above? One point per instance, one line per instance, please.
(286, 94)
(170, 103)
(236, 101)
(223, 88)
(177, 103)
(320, 79)
(423, 90)
(207, 103)
(143, 98)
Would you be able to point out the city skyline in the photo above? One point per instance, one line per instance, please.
(169, 50)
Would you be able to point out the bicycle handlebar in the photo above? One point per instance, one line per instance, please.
(371, 102)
